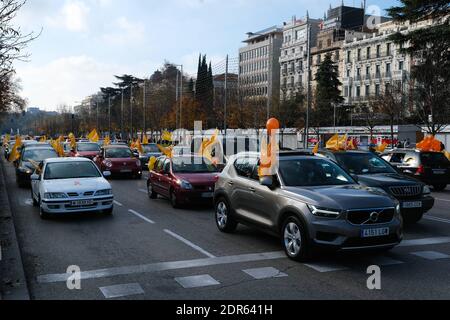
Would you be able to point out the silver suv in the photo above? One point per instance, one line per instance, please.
(311, 202)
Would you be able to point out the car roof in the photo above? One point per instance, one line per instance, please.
(38, 148)
(62, 160)
(116, 146)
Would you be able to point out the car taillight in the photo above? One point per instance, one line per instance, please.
(216, 178)
(420, 171)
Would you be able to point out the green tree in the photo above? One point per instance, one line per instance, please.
(429, 48)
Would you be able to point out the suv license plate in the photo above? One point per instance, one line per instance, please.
(208, 195)
(439, 172)
(82, 203)
(371, 233)
(412, 205)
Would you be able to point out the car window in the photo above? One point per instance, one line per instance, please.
(151, 148)
(71, 170)
(245, 166)
(313, 172)
(38, 155)
(190, 164)
(118, 153)
(398, 157)
(159, 165)
(363, 163)
(166, 166)
(88, 147)
(431, 159)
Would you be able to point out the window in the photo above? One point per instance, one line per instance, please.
(367, 70)
(400, 65)
(320, 45)
(329, 43)
(388, 49)
(346, 91)
(367, 90)
(378, 51)
(368, 53)
(71, 170)
(348, 73)
(359, 54)
(358, 91)
(377, 70)
(349, 55)
(358, 72)
(245, 166)
(398, 157)
(388, 68)
(377, 89)
(363, 163)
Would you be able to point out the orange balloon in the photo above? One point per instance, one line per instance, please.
(272, 125)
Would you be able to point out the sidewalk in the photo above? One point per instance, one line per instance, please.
(13, 285)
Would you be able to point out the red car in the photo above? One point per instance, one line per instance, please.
(86, 150)
(184, 180)
(119, 160)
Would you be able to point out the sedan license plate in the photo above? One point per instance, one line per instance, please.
(82, 203)
(412, 205)
(207, 195)
(126, 171)
(371, 233)
(439, 172)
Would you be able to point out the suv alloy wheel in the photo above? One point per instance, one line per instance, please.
(225, 223)
(295, 240)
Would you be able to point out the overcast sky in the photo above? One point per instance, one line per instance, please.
(85, 42)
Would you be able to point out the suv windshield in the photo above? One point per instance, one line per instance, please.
(363, 163)
(192, 165)
(88, 147)
(71, 170)
(38, 155)
(313, 172)
(431, 159)
(118, 153)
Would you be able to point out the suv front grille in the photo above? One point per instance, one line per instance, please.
(371, 216)
(406, 191)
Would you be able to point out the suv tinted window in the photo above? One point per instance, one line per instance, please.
(434, 159)
(159, 165)
(245, 166)
(398, 157)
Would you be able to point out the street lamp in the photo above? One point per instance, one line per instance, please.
(181, 94)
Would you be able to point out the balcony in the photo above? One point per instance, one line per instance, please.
(377, 75)
(387, 75)
(348, 80)
(367, 77)
(400, 75)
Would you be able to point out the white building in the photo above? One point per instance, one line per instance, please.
(259, 68)
(294, 54)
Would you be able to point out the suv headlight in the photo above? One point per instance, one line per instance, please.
(324, 212)
(426, 190)
(398, 209)
(185, 185)
(377, 189)
(55, 195)
(105, 192)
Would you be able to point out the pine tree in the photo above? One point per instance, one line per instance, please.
(327, 92)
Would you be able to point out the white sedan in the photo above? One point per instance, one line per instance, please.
(71, 185)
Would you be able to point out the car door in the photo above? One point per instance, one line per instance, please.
(35, 184)
(156, 175)
(165, 178)
(243, 187)
(261, 203)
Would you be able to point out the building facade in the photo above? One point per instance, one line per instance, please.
(259, 68)
(298, 37)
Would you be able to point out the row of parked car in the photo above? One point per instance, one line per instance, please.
(343, 200)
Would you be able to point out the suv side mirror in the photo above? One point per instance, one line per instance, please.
(266, 181)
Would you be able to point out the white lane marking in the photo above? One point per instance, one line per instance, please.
(142, 190)
(29, 202)
(118, 203)
(265, 273)
(189, 243)
(137, 214)
(197, 281)
(0, 252)
(431, 255)
(326, 267)
(424, 242)
(384, 261)
(164, 266)
(121, 290)
(431, 218)
(442, 199)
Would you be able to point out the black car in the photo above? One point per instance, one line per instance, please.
(150, 150)
(372, 171)
(432, 168)
(25, 168)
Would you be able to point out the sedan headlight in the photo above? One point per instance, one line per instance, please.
(323, 212)
(25, 170)
(426, 190)
(55, 195)
(185, 185)
(398, 209)
(105, 192)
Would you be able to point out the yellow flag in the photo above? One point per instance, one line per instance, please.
(73, 141)
(167, 136)
(145, 140)
(447, 154)
(381, 148)
(107, 141)
(43, 139)
(138, 146)
(316, 148)
(208, 146)
(93, 136)
(14, 155)
(151, 163)
(333, 143)
(167, 151)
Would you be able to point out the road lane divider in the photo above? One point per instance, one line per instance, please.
(431, 218)
(438, 199)
(424, 242)
(118, 203)
(142, 190)
(164, 266)
(189, 243)
(137, 214)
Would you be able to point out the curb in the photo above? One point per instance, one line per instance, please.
(13, 285)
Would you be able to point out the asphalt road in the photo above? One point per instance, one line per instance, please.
(147, 250)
